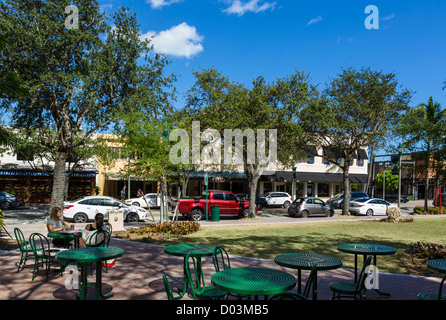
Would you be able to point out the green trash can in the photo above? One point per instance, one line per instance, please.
(215, 213)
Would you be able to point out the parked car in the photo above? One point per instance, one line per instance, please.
(338, 200)
(195, 208)
(305, 207)
(369, 206)
(277, 199)
(9, 201)
(443, 200)
(153, 199)
(84, 209)
(394, 198)
(260, 202)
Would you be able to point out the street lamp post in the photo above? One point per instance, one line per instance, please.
(400, 152)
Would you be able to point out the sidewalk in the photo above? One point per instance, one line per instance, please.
(137, 275)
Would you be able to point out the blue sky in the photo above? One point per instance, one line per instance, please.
(247, 38)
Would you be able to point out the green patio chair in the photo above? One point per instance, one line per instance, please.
(25, 249)
(433, 296)
(43, 253)
(298, 296)
(351, 289)
(195, 277)
(99, 238)
(221, 257)
(169, 292)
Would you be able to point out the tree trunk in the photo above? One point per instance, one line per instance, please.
(252, 183)
(59, 180)
(346, 202)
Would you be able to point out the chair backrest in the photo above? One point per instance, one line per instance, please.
(169, 292)
(98, 238)
(221, 257)
(40, 245)
(21, 241)
(363, 276)
(194, 273)
(310, 282)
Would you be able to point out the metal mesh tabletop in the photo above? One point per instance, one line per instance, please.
(305, 261)
(364, 248)
(68, 234)
(437, 265)
(85, 255)
(181, 250)
(253, 281)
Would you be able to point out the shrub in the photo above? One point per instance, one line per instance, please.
(181, 228)
(428, 250)
(430, 210)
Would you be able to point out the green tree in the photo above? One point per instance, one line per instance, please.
(223, 105)
(422, 130)
(391, 181)
(79, 79)
(356, 110)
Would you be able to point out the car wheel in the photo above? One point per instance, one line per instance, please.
(369, 212)
(291, 213)
(196, 215)
(286, 204)
(304, 214)
(132, 217)
(80, 218)
(6, 205)
(259, 206)
(245, 213)
(330, 213)
(136, 204)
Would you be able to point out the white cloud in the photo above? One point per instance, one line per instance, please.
(240, 8)
(179, 41)
(315, 20)
(158, 4)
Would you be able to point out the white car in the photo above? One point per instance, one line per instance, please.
(84, 209)
(369, 206)
(277, 199)
(153, 199)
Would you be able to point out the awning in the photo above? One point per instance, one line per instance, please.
(222, 174)
(287, 176)
(330, 153)
(362, 154)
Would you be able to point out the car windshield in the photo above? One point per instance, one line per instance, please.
(265, 195)
(362, 199)
(338, 196)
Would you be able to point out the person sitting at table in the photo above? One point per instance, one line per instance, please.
(91, 228)
(55, 223)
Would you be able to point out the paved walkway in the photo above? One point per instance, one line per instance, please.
(137, 275)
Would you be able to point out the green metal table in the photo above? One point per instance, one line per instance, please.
(68, 234)
(438, 265)
(84, 256)
(306, 261)
(366, 249)
(253, 281)
(182, 250)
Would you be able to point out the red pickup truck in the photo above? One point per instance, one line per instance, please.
(195, 208)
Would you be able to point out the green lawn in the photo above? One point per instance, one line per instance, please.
(321, 237)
